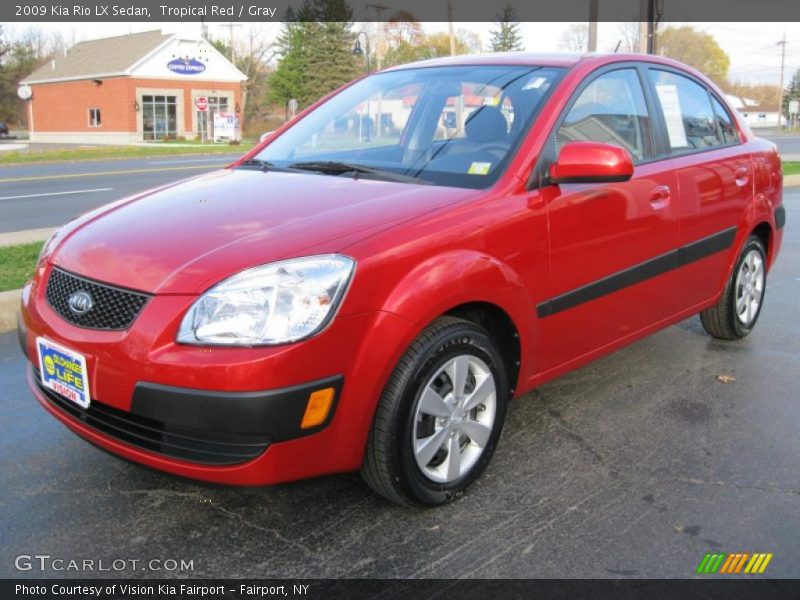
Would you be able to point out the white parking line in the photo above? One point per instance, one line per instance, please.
(56, 193)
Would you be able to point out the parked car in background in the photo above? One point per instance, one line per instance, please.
(351, 295)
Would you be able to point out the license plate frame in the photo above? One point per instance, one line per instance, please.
(63, 371)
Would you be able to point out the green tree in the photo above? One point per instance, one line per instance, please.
(792, 92)
(505, 35)
(17, 61)
(316, 49)
(695, 48)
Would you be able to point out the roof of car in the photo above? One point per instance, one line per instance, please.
(543, 59)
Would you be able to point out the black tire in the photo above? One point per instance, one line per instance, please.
(389, 466)
(721, 320)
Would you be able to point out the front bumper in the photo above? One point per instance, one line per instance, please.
(207, 393)
(198, 426)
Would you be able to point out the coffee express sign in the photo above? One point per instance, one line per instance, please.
(186, 66)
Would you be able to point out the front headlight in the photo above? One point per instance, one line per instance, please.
(275, 303)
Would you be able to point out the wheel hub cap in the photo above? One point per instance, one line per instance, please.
(749, 287)
(453, 418)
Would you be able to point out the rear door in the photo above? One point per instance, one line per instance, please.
(609, 242)
(715, 179)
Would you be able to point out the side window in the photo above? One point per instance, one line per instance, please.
(728, 130)
(612, 110)
(690, 119)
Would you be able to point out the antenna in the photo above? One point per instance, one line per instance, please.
(619, 43)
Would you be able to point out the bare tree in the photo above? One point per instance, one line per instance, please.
(575, 38)
(628, 37)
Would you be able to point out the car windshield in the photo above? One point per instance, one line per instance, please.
(454, 126)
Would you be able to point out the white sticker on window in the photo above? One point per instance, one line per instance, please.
(671, 107)
(535, 83)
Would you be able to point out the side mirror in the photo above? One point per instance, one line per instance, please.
(591, 162)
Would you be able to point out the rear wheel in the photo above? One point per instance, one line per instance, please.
(736, 312)
(440, 415)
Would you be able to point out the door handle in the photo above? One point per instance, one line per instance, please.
(742, 176)
(660, 196)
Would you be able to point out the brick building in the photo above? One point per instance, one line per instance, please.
(131, 88)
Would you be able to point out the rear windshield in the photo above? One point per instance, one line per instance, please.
(452, 126)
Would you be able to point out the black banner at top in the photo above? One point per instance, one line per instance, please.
(386, 10)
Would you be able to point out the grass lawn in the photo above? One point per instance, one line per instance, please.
(100, 152)
(17, 264)
(791, 168)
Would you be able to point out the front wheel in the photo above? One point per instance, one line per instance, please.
(440, 415)
(736, 312)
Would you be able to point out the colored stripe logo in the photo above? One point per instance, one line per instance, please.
(735, 563)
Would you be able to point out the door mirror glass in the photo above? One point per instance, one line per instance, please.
(591, 162)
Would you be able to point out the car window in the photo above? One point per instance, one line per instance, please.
(726, 127)
(453, 126)
(612, 110)
(457, 109)
(686, 106)
(377, 121)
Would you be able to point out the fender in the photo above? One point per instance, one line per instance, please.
(458, 277)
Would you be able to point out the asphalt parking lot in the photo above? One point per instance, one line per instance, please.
(634, 466)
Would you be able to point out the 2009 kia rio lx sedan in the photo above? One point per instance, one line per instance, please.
(369, 287)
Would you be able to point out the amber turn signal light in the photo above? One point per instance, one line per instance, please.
(318, 407)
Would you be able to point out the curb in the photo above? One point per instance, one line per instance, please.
(791, 180)
(9, 307)
(27, 236)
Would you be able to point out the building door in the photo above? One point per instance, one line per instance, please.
(205, 118)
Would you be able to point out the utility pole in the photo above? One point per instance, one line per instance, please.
(379, 41)
(450, 27)
(592, 25)
(650, 12)
(230, 27)
(643, 20)
(782, 44)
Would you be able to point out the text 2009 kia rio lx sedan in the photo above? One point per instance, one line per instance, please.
(369, 287)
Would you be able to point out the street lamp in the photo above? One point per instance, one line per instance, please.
(358, 51)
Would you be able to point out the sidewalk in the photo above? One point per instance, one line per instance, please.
(25, 237)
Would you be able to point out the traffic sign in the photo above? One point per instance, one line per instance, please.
(201, 102)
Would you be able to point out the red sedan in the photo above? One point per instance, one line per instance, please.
(369, 287)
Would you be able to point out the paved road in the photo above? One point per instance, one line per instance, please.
(788, 145)
(636, 465)
(48, 195)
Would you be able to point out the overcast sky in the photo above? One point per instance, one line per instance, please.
(752, 47)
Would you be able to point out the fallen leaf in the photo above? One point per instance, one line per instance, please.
(726, 378)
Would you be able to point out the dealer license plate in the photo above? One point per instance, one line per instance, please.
(64, 371)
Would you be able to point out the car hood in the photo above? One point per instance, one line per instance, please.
(184, 238)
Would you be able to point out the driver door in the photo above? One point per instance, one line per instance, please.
(609, 243)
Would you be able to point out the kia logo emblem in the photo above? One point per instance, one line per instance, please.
(80, 302)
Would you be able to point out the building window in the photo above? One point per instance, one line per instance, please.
(94, 117)
(159, 117)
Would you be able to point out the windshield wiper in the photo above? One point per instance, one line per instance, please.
(264, 165)
(332, 167)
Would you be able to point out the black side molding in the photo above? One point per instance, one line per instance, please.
(780, 217)
(275, 414)
(674, 259)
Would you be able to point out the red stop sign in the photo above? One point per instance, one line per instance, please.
(201, 102)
